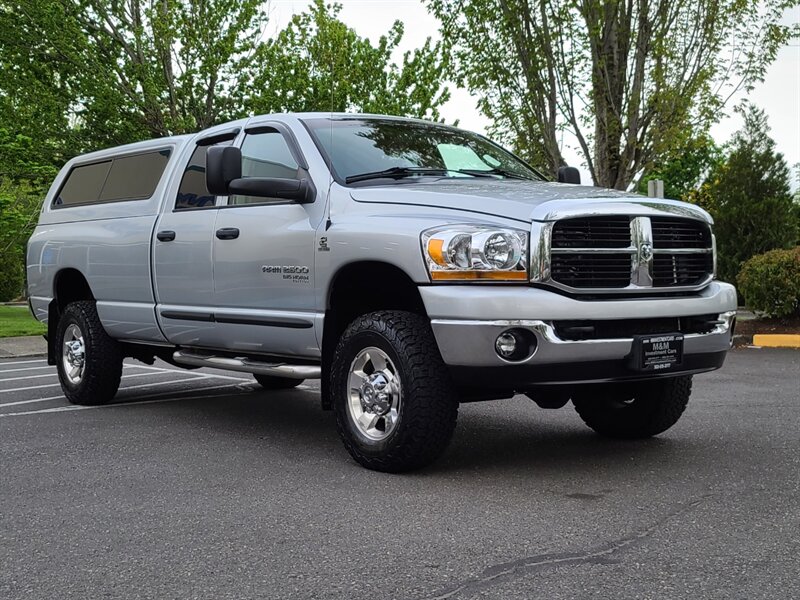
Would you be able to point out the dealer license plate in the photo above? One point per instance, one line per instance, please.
(659, 352)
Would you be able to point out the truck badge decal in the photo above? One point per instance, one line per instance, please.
(323, 245)
(292, 273)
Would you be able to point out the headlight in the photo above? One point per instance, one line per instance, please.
(476, 252)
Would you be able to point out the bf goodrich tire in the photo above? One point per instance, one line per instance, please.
(89, 362)
(270, 382)
(394, 403)
(637, 410)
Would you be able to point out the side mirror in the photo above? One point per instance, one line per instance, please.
(224, 178)
(299, 190)
(569, 175)
(223, 165)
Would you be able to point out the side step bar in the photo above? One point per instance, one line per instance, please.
(247, 365)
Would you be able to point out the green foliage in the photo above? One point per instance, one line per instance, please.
(770, 283)
(23, 182)
(626, 79)
(107, 72)
(317, 63)
(129, 70)
(19, 208)
(684, 167)
(749, 196)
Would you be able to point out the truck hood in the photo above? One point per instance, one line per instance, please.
(521, 200)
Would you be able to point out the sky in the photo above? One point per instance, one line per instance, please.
(778, 95)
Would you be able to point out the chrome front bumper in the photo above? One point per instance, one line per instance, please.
(466, 337)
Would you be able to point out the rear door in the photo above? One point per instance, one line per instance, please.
(264, 256)
(182, 254)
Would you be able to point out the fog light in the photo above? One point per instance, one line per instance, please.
(506, 344)
(515, 345)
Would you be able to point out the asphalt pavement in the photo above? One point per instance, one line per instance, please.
(197, 484)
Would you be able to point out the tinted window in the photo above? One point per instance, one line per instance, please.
(134, 177)
(355, 146)
(266, 155)
(83, 184)
(126, 178)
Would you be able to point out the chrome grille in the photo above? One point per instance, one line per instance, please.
(681, 269)
(612, 253)
(592, 270)
(679, 233)
(610, 232)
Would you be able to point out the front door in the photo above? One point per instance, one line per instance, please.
(263, 252)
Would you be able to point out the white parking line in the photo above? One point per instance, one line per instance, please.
(137, 402)
(130, 387)
(25, 369)
(44, 385)
(23, 362)
(54, 373)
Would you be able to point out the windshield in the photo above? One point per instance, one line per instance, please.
(367, 149)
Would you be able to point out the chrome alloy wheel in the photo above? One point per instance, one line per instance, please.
(374, 393)
(73, 354)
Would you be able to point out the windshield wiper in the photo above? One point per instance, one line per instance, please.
(490, 172)
(395, 173)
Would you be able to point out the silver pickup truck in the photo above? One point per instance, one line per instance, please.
(411, 266)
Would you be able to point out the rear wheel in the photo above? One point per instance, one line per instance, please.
(634, 410)
(394, 403)
(89, 361)
(271, 382)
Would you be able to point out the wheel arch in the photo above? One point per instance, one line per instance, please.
(358, 288)
(69, 285)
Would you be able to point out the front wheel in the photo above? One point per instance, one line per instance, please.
(634, 410)
(395, 406)
(89, 361)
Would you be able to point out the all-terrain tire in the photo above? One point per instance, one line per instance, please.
(102, 363)
(429, 405)
(633, 411)
(271, 382)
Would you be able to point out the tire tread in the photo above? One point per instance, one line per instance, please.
(102, 377)
(430, 408)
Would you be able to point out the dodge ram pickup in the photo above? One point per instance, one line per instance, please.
(411, 266)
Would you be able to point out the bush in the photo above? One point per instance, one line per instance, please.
(12, 274)
(770, 283)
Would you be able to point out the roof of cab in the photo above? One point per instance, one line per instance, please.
(180, 140)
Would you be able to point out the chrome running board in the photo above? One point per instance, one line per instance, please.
(248, 365)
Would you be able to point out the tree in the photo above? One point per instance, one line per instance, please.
(134, 69)
(684, 167)
(317, 63)
(116, 71)
(23, 182)
(626, 78)
(749, 196)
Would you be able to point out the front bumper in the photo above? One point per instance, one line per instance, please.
(466, 325)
